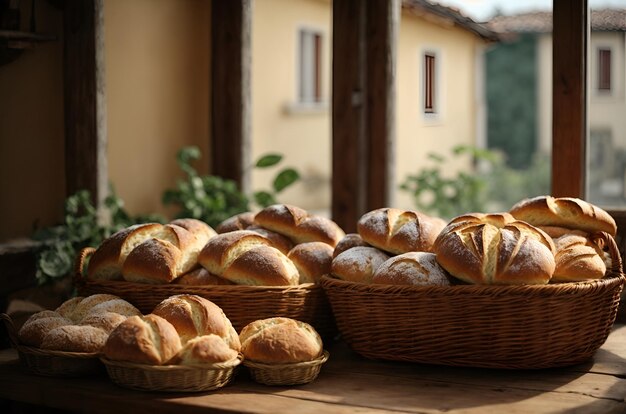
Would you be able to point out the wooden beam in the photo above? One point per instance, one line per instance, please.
(230, 85)
(569, 96)
(364, 60)
(84, 101)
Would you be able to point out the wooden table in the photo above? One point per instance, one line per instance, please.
(350, 383)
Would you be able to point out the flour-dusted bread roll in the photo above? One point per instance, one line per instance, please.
(38, 325)
(198, 228)
(247, 258)
(578, 258)
(495, 249)
(203, 351)
(78, 308)
(299, 225)
(349, 241)
(358, 264)
(282, 243)
(106, 262)
(75, 338)
(313, 260)
(147, 339)
(399, 231)
(572, 213)
(194, 316)
(201, 276)
(66, 309)
(239, 221)
(412, 268)
(280, 340)
(107, 321)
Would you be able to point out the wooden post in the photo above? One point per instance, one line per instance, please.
(364, 51)
(84, 102)
(230, 85)
(569, 96)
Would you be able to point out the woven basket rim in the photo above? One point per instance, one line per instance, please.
(294, 365)
(174, 368)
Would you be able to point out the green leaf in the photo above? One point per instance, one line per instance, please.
(264, 199)
(285, 178)
(269, 160)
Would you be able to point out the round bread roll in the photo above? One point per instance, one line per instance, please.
(277, 240)
(193, 316)
(38, 325)
(399, 231)
(349, 241)
(204, 350)
(147, 339)
(107, 321)
(572, 213)
(298, 224)
(412, 268)
(358, 264)
(313, 260)
(577, 258)
(495, 249)
(239, 221)
(279, 341)
(201, 276)
(75, 338)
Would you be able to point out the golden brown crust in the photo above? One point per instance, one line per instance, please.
(347, 242)
(577, 258)
(282, 243)
(201, 230)
(494, 249)
(204, 350)
(146, 339)
(313, 260)
(280, 340)
(201, 276)
(412, 268)
(572, 213)
(38, 325)
(107, 321)
(399, 231)
(154, 261)
(75, 338)
(298, 225)
(85, 305)
(262, 266)
(223, 249)
(239, 221)
(358, 264)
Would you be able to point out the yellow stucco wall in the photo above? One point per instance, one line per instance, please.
(157, 86)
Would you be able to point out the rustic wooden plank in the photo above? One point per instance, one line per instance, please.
(230, 88)
(569, 70)
(84, 98)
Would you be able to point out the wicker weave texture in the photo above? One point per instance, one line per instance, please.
(479, 326)
(286, 374)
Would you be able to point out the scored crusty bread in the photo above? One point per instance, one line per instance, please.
(312, 259)
(193, 316)
(399, 231)
(298, 225)
(412, 268)
(495, 249)
(577, 258)
(282, 243)
(203, 351)
(246, 258)
(347, 242)
(358, 264)
(75, 338)
(572, 213)
(147, 339)
(198, 228)
(239, 221)
(280, 340)
(201, 276)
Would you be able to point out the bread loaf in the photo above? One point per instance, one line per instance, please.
(358, 264)
(75, 338)
(280, 340)
(577, 258)
(203, 351)
(78, 308)
(198, 228)
(312, 260)
(282, 243)
(572, 213)
(412, 268)
(349, 241)
(201, 276)
(495, 249)
(246, 258)
(193, 316)
(239, 221)
(298, 225)
(147, 339)
(107, 321)
(399, 231)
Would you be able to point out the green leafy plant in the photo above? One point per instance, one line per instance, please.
(285, 178)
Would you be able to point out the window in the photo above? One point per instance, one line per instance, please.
(429, 83)
(604, 69)
(310, 79)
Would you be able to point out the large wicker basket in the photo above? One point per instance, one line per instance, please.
(241, 304)
(527, 327)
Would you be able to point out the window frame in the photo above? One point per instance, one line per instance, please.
(317, 95)
(604, 84)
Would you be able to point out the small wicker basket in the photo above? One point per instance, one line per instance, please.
(521, 327)
(242, 304)
(286, 374)
(175, 378)
(53, 363)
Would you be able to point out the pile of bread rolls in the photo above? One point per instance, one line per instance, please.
(281, 245)
(540, 240)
